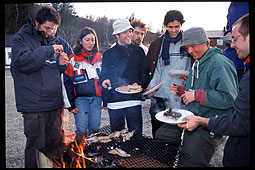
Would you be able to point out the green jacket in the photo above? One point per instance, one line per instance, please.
(216, 75)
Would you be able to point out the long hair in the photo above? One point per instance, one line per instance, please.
(83, 32)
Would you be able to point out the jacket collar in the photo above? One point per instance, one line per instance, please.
(81, 57)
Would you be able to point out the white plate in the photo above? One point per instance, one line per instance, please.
(184, 113)
(177, 73)
(125, 92)
(154, 88)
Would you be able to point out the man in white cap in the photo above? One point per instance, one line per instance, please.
(210, 91)
(122, 65)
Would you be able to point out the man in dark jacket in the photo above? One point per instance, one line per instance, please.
(36, 60)
(122, 65)
(236, 125)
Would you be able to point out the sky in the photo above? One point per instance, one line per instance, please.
(208, 15)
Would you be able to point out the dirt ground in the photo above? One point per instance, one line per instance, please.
(14, 131)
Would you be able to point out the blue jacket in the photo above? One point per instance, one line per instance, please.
(235, 11)
(232, 55)
(35, 72)
(124, 65)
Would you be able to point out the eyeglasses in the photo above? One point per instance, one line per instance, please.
(49, 29)
(233, 40)
(171, 27)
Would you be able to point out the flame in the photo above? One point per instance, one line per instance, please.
(80, 149)
(67, 139)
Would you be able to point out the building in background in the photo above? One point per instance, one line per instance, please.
(8, 48)
(216, 40)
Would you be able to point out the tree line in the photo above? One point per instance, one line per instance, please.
(16, 16)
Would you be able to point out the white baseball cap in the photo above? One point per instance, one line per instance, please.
(121, 25)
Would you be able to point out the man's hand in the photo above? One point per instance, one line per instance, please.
(188, 96)
(174, 89)
(105, 83)
(63, 59)
(57, 48)
(184, 77)
(75, 110)
(193, 121)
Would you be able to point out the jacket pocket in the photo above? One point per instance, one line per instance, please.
(80, 79)
(31, 124)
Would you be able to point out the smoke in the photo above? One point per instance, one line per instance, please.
(173, 101)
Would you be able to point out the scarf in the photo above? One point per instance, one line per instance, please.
(166, 43)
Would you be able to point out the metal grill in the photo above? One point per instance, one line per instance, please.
(145, 153)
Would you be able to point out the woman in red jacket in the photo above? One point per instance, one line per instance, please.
(82, 82)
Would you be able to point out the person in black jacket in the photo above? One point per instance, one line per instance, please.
(35, 67)
(122, 65)
(236, 125)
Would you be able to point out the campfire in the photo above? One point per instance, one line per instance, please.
(122, 149)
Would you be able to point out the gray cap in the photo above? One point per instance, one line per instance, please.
(194, 35)
(121, 25)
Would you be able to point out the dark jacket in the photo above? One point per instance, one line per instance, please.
(124, 65)
(153, 54)
(35, 72)
(237, 127)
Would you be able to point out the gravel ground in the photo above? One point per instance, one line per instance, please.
(15, 139)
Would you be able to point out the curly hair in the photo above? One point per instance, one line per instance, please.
(173, 15)
(139, 23)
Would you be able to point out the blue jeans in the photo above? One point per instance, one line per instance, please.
(133, 117)
(89, 116)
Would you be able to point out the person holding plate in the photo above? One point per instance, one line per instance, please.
(165, 55)
(210, 91)
(122, 65)
(236, 125)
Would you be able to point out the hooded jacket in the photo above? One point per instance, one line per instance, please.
(35, 72)
(216, 75)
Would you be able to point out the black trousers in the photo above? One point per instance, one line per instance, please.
(157, 105)
(43, 132)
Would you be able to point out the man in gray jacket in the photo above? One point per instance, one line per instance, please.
(36, 61)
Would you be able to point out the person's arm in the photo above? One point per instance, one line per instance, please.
(27, 60)
(238, 123)
(68, 75)
(193, 121)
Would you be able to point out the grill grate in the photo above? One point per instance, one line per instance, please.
(145, 152)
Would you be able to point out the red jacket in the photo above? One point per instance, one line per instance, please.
(81, 78)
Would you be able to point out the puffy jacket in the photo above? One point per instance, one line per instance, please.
(217, 76)
(35, 72)
(81, 78)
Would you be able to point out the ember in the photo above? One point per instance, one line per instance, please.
(135, 152)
